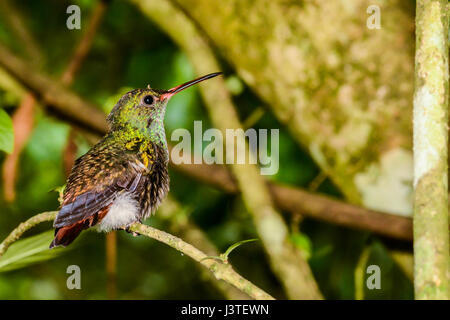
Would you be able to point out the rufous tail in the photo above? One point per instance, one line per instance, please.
(65, 235)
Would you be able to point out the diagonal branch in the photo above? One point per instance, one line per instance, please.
(189, 231)
(222, 271)
(17, 20)
(300, 202)
(23, 227)
(85, 44)
(60, 100)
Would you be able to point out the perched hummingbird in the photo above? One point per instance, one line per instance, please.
(123, 178)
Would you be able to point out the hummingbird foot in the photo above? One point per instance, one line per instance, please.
(127, 229)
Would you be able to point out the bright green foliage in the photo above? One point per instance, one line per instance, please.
(6, 132)
(302, 242)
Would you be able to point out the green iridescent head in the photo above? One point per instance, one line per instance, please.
(143, 109)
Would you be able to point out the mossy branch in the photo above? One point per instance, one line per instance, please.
(23, 227)
(221, 271)
(180, 225)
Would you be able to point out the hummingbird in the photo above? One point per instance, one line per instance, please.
(124, 177)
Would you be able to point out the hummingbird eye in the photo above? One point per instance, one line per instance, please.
(148, 100)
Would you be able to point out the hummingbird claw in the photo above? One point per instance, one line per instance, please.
(127, 229)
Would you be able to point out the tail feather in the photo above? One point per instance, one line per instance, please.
(65, 235)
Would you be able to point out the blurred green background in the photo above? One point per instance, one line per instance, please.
(130, 52)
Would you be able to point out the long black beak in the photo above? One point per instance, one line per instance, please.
(169, 93)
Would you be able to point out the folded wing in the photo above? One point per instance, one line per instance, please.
(96, 180)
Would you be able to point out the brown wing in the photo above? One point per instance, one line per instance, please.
(95, 180)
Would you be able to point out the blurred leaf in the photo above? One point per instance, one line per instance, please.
(320, 252)
(29, 251)
(303, 243)
(360, 273)
(6, 132)
(394, 283)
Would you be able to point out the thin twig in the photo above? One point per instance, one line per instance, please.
(222, 271)
(53, 94)
(23, 124)
(180, 225)
(111, 265)
(23, 227)
(85, 44)
(17, 21)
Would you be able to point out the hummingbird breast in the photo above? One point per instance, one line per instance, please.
(155, 184)
(141, 200)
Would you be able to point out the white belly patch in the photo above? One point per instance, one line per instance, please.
(123, 211)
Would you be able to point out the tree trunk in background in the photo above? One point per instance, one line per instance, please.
(343, 90)
(431, 238)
